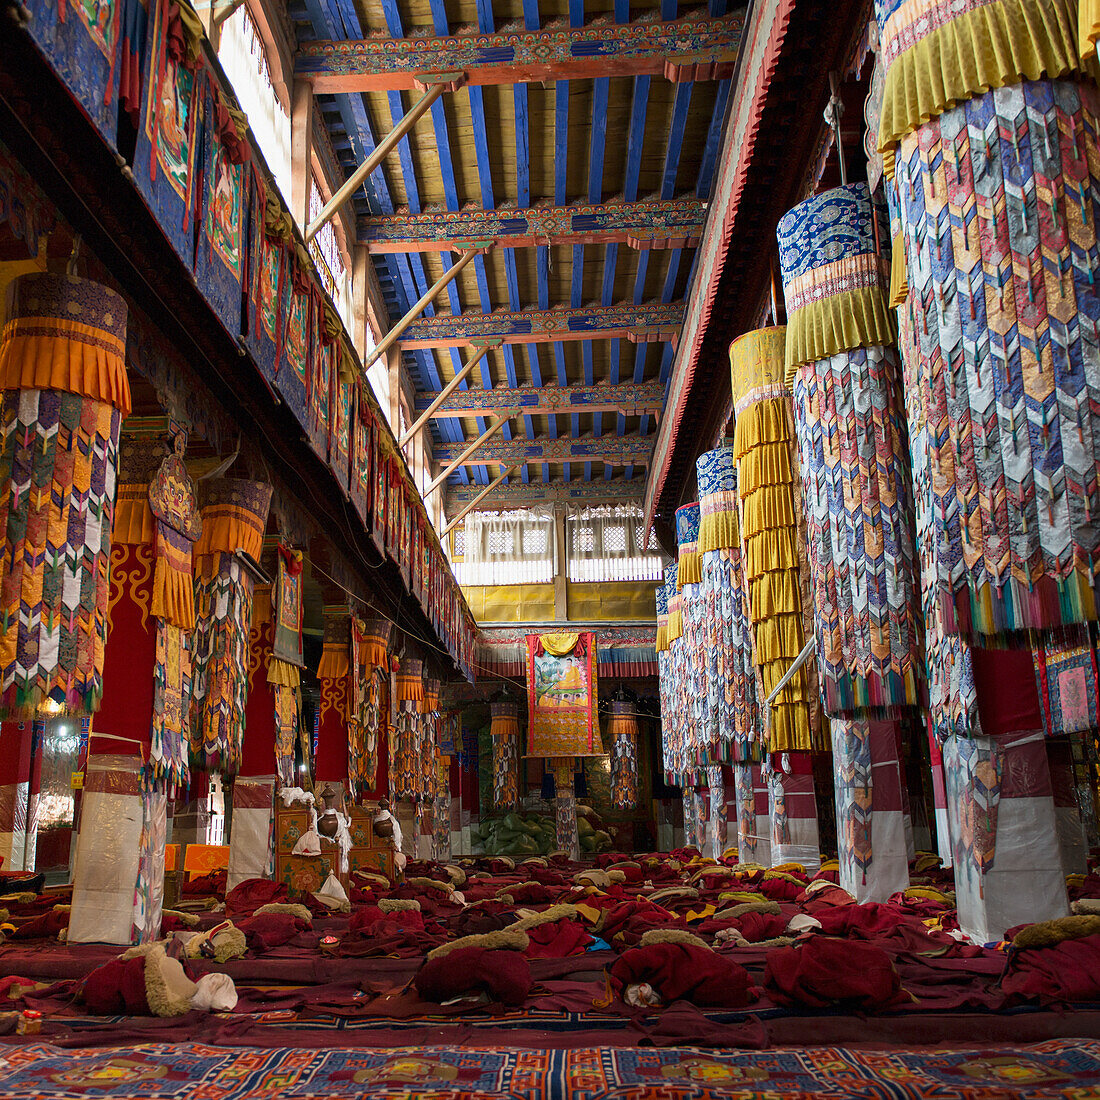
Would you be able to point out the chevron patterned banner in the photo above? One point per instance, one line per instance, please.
(999, 202)
(57, 490)
(622, 735)
(852, 782)
(745, 799)
(692, 651)
(733, 725)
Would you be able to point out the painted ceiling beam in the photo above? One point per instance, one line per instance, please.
(628, 399)
(676, 223)
(615, 450)
(696, 47)
(517, 494)
(644, 323)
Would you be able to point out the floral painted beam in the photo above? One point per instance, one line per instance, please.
(696, 47)
(653, 223)
(626, 398)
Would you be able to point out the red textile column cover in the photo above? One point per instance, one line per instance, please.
(331, 765)
(15, 782)
(258, 744)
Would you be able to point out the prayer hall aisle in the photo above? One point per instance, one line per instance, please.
(549, 549)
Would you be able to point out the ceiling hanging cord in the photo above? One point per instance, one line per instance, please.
(833, 110)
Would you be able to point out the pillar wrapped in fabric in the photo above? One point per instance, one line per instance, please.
(333, 675)
(284, 663)
(764, 449)
(406, 775)
(749, 839)
(65, 394)
(622, 733)
(792, 808)
(673, 727)
(733, 711)
(716, 813)
(691, 819)
(996, 168)
(441, 847)
(566, 836)
(370, 644)
(234, 516)
(694, 644)
(853, 451)
(507, 736)
(660, 643)
(16, 835)
(870, 817)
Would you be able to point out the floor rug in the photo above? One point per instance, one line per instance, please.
(1059, 1068)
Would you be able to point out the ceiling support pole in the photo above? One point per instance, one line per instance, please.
(476, 445)
(446, 392)
(430, 295)
(385, 146)
(479, 498)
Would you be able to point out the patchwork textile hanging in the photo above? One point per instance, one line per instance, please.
(561, 695)
(733, 706)
(335, 742)
(852, 783)
(622, 733)
(505, 732)
(234, 517)
(370, 642)
(65, 395)
(285, 663)
(694, 647)
(566, 835)
(998, 207)
(407, 777)
(1066, 676)
(660, 643)
(770, 537)
(175, 509)
(673, 727)
(854, 460)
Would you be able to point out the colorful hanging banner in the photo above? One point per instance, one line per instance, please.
(561, 695)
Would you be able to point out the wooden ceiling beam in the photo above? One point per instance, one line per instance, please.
(613, 450)
(626, 399)
(654, 223)
(647, 322)
(696, 47)
(517, 494)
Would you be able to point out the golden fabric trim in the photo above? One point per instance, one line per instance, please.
(505, 726)
(768, 551)
(261, 605)
(790, 731)
(775, 594)
(675, 626)
(858, 318)
(779, 636)
(133, 524)
(409, 688)
(39, 353)
(765, 466)
(756, 360)
(373, 653)
(992, 46)
(719, 531)
(899, 276)
(283, 673)
(768, 510)
(335, 661)
(763, 423)
(560, 645)
(173, 595)
(1088, 28)
(689, 568)
(661, 644)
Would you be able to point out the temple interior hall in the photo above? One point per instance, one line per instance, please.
(549, 549)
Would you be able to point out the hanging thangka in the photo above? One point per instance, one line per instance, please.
(178, 526)
(561, 695)
(1066, 675)
(854, 462)
(504, 729)
(622, 732)
(65, 395)
(165, 156)
(370, 641)
(234, 517)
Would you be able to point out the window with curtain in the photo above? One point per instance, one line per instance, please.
(516, 547)
(327, 258)
(610, 543)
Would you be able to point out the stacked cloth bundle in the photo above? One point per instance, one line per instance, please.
(506, 737)
(854, 462)
(734, 714)
(693, 646)
(771, 536)
(988, 128)
(622, 733)
(234, 516)
(65, 395)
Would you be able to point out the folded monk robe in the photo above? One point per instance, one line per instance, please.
(1056, 960)
(557, 939)
(248, 896)
(263, 931)
(503, 975)
(210, 885)
(825, 972)
(44, 926)
(630, 920)
(683, 971)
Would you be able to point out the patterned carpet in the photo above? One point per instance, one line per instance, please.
(1059, 1068)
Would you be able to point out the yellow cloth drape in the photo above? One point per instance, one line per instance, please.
(559, 644)
(899, 276)
(856, 318)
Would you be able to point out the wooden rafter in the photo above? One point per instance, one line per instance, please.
(614, 450)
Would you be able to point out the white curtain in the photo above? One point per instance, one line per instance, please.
(516, 547)
(610, 543)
